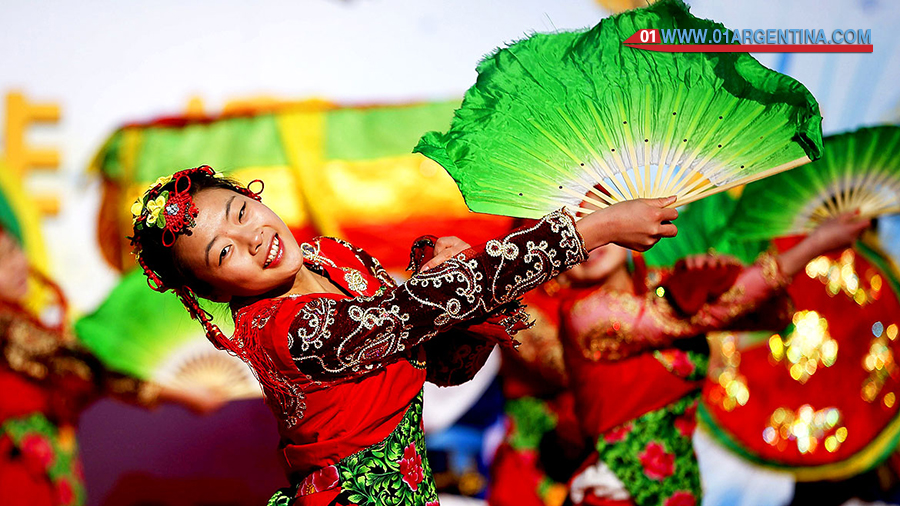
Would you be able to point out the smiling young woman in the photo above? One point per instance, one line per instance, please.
(340, 350)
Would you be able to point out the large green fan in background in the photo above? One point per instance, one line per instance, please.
(704, 227)
(151, 336)
(556, 116)
(858, 171)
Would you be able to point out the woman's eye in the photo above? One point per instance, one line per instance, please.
(222, 254)
(241, 215)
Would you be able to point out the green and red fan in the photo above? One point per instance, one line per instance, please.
(858, 171)
(564, 118)
(819, 401)
(150, 335)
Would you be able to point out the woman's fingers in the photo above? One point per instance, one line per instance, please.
(668, 214)
(663, 201)
(729, 260)
(862, 225)
(449, 242)
(690, 263)
(668, 230)
(634, 224)
(445, 248)
(437, 260)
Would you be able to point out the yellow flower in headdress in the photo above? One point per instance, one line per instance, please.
(155, 206)
(136, 209)
(161, 181)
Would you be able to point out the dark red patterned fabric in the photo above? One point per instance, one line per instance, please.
(348, 366)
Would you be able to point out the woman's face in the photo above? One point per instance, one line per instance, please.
(601, 263)
(238, 246)
(13, 269)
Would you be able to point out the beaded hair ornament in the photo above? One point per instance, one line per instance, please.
(170, 208)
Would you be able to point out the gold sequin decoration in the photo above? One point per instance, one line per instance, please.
(807, 348)
(771, 271)
(730, 389)
(879, 363)
(841, 276)
(809, 429)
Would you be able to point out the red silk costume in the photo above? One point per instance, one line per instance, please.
(47, 381)
(617, 377)
(543, 440)
(341, 372)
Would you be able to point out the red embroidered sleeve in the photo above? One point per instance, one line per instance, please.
(759, 286)
(613, 326)
(335, 338)
(129, 389)
(75, 370)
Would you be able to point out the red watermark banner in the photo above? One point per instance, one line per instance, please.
(755, 48)
(693, 41)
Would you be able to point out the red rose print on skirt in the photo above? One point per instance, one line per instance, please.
(618, 434)
(78, 470)
(681, 498)
(38, 448)
(411, 467)
(64, 493)
(678, 362)
(657, 463)
(323, 479)
(326, 479)
(687, 422)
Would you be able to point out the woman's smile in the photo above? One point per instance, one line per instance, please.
(276, 253)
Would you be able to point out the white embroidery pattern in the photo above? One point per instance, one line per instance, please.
(450, 293)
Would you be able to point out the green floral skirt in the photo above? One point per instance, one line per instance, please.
(394, 472)
(653, 456)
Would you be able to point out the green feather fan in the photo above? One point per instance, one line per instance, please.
(859, 171)
(151, 336)
(556, 116)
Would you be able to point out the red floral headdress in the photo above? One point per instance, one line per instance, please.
(173, 211)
